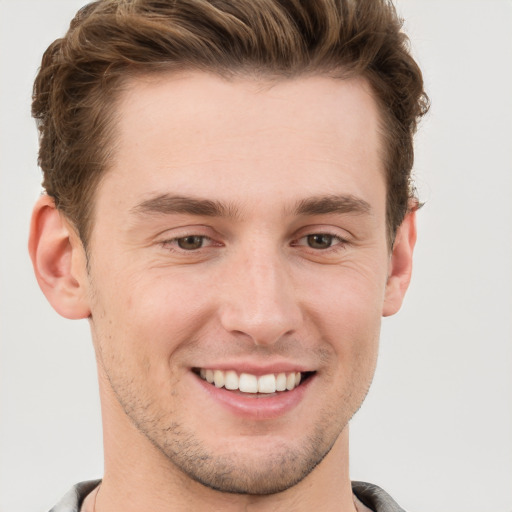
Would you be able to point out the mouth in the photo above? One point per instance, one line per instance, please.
(247, 383)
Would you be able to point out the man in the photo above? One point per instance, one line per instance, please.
(228, 201)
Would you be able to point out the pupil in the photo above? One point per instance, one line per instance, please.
(190, 242)
(320, 241)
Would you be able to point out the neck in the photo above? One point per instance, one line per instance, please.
(133, 483)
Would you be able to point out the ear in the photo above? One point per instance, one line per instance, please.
(400, 265)
(59, 260)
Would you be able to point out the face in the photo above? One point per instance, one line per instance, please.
(237, 272)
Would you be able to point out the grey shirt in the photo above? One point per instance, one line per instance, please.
(371, 496)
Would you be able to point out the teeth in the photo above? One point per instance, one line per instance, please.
(248, 383)
(267, 384)
(281, 382)
(290, 381)
(231, 380)
(218, 378)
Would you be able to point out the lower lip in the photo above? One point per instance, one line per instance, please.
(256, 406)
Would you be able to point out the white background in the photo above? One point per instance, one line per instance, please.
(436, 430)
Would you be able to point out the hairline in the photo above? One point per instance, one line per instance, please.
(130, 76)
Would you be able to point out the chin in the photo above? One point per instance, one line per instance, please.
(261, 467)
(259, 476)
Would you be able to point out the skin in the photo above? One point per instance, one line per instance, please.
(260, 290)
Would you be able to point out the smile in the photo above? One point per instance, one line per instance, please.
(249, 383)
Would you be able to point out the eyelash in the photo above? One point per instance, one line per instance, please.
(336, 243)
(173, 243)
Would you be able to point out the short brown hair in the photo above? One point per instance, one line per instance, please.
(110, 41)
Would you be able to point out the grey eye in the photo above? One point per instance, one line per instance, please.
(320, 241)
(190, 243)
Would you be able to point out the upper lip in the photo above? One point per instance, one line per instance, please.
(257, 369)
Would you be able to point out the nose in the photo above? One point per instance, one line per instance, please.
(259, 299)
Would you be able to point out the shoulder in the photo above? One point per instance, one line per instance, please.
(72, 500)
(375, 498)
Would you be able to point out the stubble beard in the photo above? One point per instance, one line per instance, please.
(268, 472)
(265, 472)
(258, 472)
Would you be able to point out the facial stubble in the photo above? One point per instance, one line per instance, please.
(281, 467)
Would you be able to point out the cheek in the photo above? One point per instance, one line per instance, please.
(151, 315)
(347, 313)
(169, 304)
(349, 297)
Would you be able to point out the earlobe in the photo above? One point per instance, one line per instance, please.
(59, 261)
(400, 265)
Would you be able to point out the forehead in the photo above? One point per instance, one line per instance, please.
(199, 134)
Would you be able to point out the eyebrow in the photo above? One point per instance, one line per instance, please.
(166, 204)
(339, 204)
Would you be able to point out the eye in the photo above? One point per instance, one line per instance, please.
(190, 243)
(321, 240)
